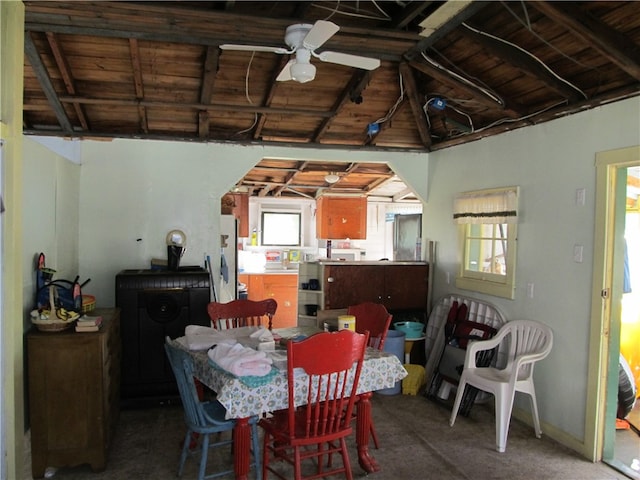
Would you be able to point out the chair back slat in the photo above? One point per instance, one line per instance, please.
(332, 362)
(242, 313)
(374, 318)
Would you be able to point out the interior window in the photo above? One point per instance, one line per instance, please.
(280, 228)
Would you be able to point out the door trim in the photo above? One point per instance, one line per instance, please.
(602, 330)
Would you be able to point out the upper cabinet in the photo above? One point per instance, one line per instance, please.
(237, 204)
(341, 217)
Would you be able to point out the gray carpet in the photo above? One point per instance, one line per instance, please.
(416, 442)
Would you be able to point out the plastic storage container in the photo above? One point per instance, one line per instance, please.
(394, 344)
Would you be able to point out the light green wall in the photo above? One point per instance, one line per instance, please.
(549, 162)
(51, 218)
(11, 86)
(132, 189)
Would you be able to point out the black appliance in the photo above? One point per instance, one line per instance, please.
(155, 304)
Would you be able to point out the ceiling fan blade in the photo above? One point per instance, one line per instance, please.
(253, 48)
(356, 61)
(321, 31)
(285, 73)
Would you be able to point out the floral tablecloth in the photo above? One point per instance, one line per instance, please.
(380, 370)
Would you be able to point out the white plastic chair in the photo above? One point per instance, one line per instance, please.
(528, 342)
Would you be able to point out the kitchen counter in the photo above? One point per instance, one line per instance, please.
(367, 262)
(280, 271)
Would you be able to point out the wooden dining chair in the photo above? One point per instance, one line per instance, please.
(242, 313)
(318, 420)
(375, 319)
(204, 418)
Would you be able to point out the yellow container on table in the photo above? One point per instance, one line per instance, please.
(347, 322)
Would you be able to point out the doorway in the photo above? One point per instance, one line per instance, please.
(610, 309)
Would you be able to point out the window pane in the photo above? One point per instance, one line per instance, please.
(280, 229)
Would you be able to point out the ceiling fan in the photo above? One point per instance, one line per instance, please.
(303, 39)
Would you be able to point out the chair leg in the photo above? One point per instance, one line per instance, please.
(345, 459)
(456, 404)
(504, 405)
(297, 464)
(374, 435)
(534, 413)
(255, 444)
(265, 455)
(203, 456)
(185, 452)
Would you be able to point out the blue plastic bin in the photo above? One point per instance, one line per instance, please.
(394, 344)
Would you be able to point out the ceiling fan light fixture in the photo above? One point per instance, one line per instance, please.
(302, 72)
(331, 177)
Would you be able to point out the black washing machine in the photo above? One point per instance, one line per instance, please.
(155, 304)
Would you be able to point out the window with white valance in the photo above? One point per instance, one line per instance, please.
(487, 221)
(487, 206)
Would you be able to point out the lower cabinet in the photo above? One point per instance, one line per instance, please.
(399, 286)
(74, 381)
(283, 288)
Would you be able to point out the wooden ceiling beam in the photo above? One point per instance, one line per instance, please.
(619, 48)
(154, 22)
(359, 80)
(219, 107)
(411, 91)
(44, 79)
(271, 92)
(474, 92)
(209, 71)
(134, 53)
(67, 77)
(409, 13)
(517, 58)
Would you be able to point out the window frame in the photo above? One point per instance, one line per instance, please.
(265, 241)
(487, 282)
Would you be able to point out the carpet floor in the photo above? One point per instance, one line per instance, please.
(416, 442)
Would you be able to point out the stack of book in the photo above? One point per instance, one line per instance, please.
(89, 323)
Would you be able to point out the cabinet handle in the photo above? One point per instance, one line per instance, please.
(330, 279)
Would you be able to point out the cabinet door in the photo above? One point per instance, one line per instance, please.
(284, 290)
(338, 218)
(346, 285)
(406, 287)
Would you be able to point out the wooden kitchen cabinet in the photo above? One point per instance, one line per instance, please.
(237, 204)
(282, 287)
(341, 217)
(398, 286)
(74, 394)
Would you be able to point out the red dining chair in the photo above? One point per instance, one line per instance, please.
(318, 419)
(242, 313)
(374, 318)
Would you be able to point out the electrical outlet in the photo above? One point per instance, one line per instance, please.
(581, 195)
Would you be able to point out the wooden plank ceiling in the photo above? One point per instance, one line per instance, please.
(450, 73)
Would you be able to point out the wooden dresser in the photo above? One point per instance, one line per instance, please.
(74, 394)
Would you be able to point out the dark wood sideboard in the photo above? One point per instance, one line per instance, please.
(74, 394)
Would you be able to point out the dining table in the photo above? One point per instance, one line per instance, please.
(243, 400)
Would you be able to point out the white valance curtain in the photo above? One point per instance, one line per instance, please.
(486, 206)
